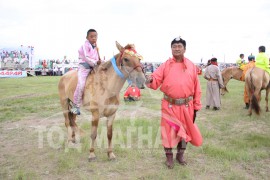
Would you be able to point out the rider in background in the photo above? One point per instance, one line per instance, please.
(262, 60)
(88, 59)
(240, 62)
(250, 64)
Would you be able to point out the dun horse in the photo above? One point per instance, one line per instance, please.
(101, 93)
(256, 80)
(230, 73)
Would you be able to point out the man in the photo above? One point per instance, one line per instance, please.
(178, 80)
(250, 64)
(214, 83)
(240, 62)
(133, 93)
(262, 60)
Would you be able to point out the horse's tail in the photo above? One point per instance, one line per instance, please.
(255, 104)
(254, 101)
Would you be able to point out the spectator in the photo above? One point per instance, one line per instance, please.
(214, 83)
(133, 93)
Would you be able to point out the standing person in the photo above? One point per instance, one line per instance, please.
(178, 80)
(250, 64)
(214, 83)
(133, 93)
(262, 60)
(88, 59)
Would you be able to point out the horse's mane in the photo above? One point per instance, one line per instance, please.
(130, 46)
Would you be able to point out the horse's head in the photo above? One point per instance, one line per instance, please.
(129, 60)
(224, 90)
(226, 75)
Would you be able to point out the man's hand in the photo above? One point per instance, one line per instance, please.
(99, 62)
(195, 114)
(149, 79)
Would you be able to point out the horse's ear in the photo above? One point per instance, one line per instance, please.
(119, 47)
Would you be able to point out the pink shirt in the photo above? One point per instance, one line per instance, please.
(178, 80)
(88, 54)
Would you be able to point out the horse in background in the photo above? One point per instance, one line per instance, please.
(256, 80)
(101, 93)
(228, 74)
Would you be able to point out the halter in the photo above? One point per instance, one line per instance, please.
(131, 52)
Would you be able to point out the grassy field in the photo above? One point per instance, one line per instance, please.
(33, 138)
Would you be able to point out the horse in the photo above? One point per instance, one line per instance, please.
(101, 93)
(230, 73)
(256, 80)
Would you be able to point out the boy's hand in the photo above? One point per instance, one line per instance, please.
(99, 62)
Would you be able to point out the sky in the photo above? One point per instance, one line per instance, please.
(211, 28)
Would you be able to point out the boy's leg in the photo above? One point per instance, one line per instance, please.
(82, 75)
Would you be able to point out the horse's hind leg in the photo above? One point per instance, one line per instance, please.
(110, 119)
(266, 99)
(95, 119)
(250, 109)
(65, 108)
(74, 127)
(69, 129)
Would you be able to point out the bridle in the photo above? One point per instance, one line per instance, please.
(118, 63)
(131, 52)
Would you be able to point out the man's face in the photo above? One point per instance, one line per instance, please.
(178, 49)
(92, 37)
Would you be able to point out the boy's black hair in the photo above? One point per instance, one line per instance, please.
(241, 55)
(251, 57)
(262, 48)
(179, 40)
(90, 30)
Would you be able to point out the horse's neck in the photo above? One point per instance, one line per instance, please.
(115, 83)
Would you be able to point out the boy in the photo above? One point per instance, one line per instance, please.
(88, 59)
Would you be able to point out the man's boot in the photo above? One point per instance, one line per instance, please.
(169, 155)
(181, 147)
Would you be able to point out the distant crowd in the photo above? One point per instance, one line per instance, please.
(18, 57)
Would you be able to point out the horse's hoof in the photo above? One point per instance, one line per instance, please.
(91, 159)
(71, 144)
(111, 156)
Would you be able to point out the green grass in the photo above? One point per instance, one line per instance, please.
(235, 145)
(24, 97)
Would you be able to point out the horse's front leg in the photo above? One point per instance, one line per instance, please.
(95, 119)
(110, 120)
(266, 99)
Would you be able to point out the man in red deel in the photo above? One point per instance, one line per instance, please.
(178, 79)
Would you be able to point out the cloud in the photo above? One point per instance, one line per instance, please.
(58, 28)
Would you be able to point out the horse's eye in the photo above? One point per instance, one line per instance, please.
(126, 60)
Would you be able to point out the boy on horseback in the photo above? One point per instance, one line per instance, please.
(88, 59)
(262, 60)
(240, 62)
